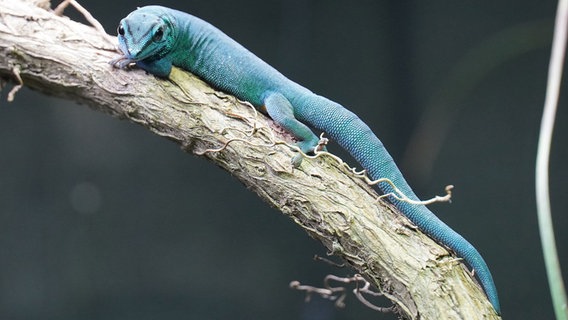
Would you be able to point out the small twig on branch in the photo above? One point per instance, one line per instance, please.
(335, 264)
(338, 294)
(19, 84)
(88, 16)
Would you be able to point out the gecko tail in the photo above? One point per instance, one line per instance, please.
(359, 140)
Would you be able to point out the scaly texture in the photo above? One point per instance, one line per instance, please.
(155, 38)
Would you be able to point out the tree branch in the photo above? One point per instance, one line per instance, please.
(63, 58)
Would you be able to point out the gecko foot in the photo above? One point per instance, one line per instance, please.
(309, 148)
(121, 62)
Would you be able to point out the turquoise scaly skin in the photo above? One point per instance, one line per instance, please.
(155, 38)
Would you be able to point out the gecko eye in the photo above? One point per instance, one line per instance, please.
(158, 34)
(120, 30)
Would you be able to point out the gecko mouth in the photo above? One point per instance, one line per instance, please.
(133, 53)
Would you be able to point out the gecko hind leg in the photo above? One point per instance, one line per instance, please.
(281, 111)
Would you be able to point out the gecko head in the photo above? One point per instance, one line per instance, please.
(146, 33)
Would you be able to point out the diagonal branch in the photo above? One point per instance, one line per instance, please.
(63, 58)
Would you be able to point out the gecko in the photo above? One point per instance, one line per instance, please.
(155, 38)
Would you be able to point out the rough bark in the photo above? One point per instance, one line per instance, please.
(63, 58)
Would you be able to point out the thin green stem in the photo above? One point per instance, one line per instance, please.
(554, 274)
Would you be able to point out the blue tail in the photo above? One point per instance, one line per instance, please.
(357, 138)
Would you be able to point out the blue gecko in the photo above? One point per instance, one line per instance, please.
(156, 38)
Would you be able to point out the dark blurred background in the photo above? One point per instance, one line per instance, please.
(100, 219)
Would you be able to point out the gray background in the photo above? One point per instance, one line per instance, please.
(100, 219)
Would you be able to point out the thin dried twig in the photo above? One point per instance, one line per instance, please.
(332, 263)
(338, 293)
(88, 16)
(18, 86)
